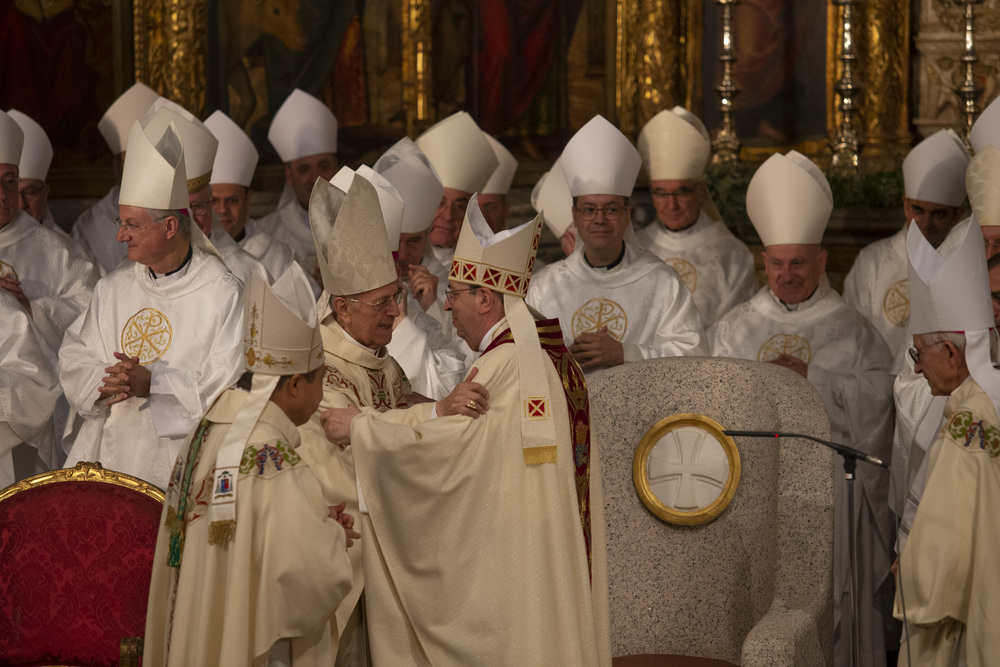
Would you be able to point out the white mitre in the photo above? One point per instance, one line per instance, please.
(503, 262)
(789, 201)
(503, 175)
(116, 124)
(388, 198)
(551, 197)
(408, 169)
(11, 140)
(281, 336)
(982, 180)
(934, 170)
(460, 153)
(600, 160)
(986, 130)
(200, 145)
(154, 175)
(236, 159)
(352, 245)
(36, 153)
(303, 126)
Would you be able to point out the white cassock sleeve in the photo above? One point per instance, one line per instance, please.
(433, 364)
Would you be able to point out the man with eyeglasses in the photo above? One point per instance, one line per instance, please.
(948, 539)
(934, 182)
(616, 301)
(688, 233)
(799, 322)
(162, 336)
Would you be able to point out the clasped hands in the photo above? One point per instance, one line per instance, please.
(597, 349)
(124, 380)
(346, 521)
(792, 364)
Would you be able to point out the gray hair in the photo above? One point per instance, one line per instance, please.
(954, 337)
(184, 222)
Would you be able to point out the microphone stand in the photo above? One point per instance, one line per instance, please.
(851, 458)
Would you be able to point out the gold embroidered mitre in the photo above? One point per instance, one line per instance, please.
(505, 265)
(280, 330)
(352, 245)
(200, 145)
(981, 180)
(154, 175)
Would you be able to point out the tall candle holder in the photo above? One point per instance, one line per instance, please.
(726, 143)
(970, 90)
(845, 145)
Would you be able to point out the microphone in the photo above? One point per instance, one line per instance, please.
(843, 450)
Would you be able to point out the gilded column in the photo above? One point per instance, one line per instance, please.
(171, 43)
(416, 67)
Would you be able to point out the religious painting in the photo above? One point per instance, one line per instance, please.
(780, 69)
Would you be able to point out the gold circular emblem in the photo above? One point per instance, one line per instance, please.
(896, 303)
(146, 335)
(790, 344)
(686, 469)
(598, 313)
(7, 270)
(685, 270)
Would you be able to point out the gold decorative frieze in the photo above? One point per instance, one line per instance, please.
(171, 42)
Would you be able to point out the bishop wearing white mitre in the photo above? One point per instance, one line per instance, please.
(934, 182)
(688, 233)
(615, 301)
(161, 336)
(798, 321)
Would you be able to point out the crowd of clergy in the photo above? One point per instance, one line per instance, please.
(377, 395)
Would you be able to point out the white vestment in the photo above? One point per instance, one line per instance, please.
(186, 328)
(290, 225)
(849, 365)
(29, 388)
(55, 275)
(239, 261)
(877, 288)
(715, 265)
(506, 579)
(642, 302)
(948, 577)
(433, 363)
(97, 232)
(282, 574)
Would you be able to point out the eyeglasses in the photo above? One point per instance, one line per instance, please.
(449, 293)
(611, 212)
(199, 207)
(682, 192)
(130, 228)
(382, 304)
(992, 245)
(914, 352)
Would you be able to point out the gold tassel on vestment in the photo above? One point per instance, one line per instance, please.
(222, 532)
(539, 455)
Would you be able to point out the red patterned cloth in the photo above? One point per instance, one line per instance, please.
(75, 564)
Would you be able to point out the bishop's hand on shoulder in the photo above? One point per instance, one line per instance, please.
(468, 398)
(336, 424)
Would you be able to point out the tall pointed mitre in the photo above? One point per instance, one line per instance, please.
(116, 124)
(460, 153)
(236, 159)
(503, 175)
(600, 160)
(11, 140)
(551, 197)
(281, 336)
(934, 170)
(352, 245)
(303, 126)
(789, 201)
(986, 130)
(200, 145)
(503, 262)
(154, 175)
(408, 169)
(982, 180)
(675, 145)
(388, 198)
(36, 154)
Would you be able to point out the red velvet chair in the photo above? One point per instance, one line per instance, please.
(76, 554)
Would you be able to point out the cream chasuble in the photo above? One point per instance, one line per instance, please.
(97, 232)
(290, 225)
(354, 376)
(281, 576)
(55, 275)
(876, 287)
(716, 266)
(505, 579)
(849, 365)
(186, 328)
(642, 302)
(947, 571)
(29, 388)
